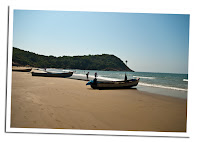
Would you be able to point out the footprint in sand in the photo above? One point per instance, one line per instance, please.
(58, 120)
(51, 114)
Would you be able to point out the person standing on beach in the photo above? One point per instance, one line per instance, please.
(95, 75)
(87, 74)
(125, 79)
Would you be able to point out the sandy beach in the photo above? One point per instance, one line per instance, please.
(63, 103)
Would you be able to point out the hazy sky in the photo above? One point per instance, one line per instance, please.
(150, 42)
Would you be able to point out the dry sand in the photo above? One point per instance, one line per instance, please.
(43, 102)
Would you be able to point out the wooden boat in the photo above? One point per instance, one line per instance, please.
(50, 74)
(113, 84)
(22, 70)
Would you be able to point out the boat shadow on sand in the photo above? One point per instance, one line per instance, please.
(113, 89)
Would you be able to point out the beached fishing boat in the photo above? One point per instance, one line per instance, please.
(51, 74)
(113, 84)
(22, 69)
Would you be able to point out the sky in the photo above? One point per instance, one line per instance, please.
(149, 42)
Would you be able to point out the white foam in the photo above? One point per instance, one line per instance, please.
(185, 79)
(81, 75)
(144, 77)
(109, 79)
(67, 70)
(161, 86)
(98, 77)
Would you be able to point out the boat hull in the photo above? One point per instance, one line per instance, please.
(115, 84)
(22, 70)
(48, 74)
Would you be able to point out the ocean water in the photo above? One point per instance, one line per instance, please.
(171, 84)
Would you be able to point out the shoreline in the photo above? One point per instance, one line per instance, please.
(164, 92)
(64, 103)
(154, 90)
(149, 89)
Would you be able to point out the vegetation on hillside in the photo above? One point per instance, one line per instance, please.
(89, 62)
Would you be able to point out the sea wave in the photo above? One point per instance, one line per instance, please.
(146, 77)
(109, 79)
(185, 79)
(98, 77)
(80, 75)
(161, 86)
(140, 83)
(65, 70)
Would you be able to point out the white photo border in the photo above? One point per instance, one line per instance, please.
(76, 131)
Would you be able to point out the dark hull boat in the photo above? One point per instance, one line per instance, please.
(22, 70)
(113, 84)
(49, 74)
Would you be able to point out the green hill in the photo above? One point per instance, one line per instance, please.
(90, 62)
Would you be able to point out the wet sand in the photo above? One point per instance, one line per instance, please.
(63, 103)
